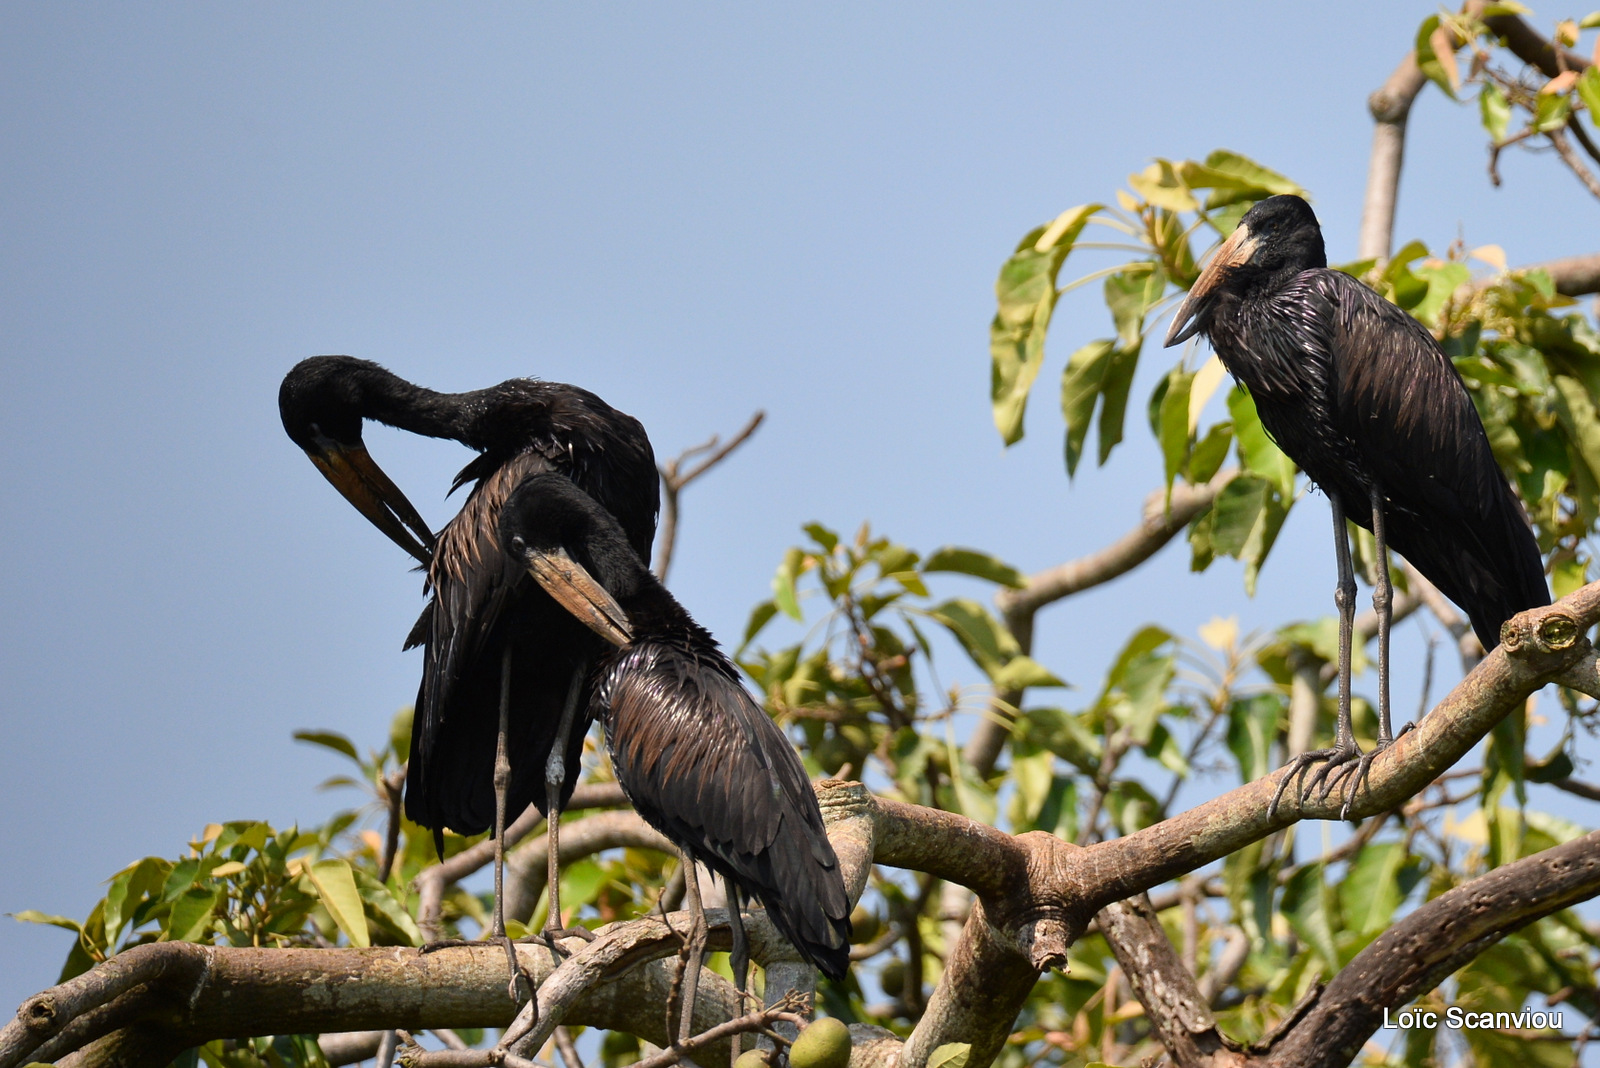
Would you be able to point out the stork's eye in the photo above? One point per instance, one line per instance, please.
(517, 544)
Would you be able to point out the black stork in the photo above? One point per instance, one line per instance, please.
(694, 752)
(506, 670)
(1361, 396)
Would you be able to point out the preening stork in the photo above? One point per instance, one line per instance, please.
(698, 757)
(1361, 396)
(500, 714)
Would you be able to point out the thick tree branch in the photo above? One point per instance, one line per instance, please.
(1418, 952)
(1161, 520)
(1391, 107)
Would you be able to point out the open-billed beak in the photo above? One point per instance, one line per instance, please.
(577, 591)
(362, 482)
(1240, 246)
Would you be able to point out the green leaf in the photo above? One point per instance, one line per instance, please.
(1032, 772)
(1495, 111)
(1132, 807)
(1064, 734)
(1026, 295)
(1309, 904)
(400, 733)
(1373, 888)
(1551, 111)
(950, 1055)
(1174, 422)
(330, 740)
(128, 888)
(335, 883)
(1252, 725)
(783, 583)
(1080, 388)
(1114, 387)
(1443, 279)
(1238, 513)
(381, 905)
(1161, 186)
(1258, 453)
(975, 563)
(989, 645)
(1439, 69)
(1577, 410)
(760, 616)
(1021, 672)
(1130, 294)
(1588, 22)
(826, 539)
(35, 916)
(191, 914)
(1206, 458)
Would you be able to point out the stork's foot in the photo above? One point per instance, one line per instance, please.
(519, 974)
(1358, 772)
(550, 938)
(1301, 766)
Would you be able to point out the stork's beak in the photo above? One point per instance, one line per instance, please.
(1240, 246)
(362, 482)
(577, 591)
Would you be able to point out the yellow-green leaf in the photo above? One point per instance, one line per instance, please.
(950, 1055)
(336, 886)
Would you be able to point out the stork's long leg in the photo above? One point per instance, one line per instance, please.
(555, 773)
(696, 949)
(1344, 744)
(738, 956)
(1383, 605)
(502, 782)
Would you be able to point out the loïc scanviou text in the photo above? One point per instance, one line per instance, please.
(1525, 1020)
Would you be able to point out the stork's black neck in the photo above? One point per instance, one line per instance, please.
(331, 395)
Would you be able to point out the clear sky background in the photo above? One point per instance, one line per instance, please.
(694, 212)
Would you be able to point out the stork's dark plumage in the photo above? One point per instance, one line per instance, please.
(497, 649)
(692, 749)
(1361, 396)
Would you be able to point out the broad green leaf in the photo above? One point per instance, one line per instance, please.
(760, 616)
(783, 583)
(1434, 57)
(1258, 453)
(974, 797)
(1495, 111)
(1132, 807)
(1063, 733)
(1175, 423)
(1026, 295)
(1551, 111)
(1161, 186)
(1209, 452)
(975, 563)
(35, 916)
(989, 645)
(1032, 772)
(400, 733)
(1252, 725)
(1578, 409)
(1114, 387)
(381, 905)
(1080, 388)
(1059, 813)
(1022, 672)
(335, 883)
(1310, 905)
(330, 740)
(826, 539)
(128, 888)
(950, 1055)
(191, 914)
(1443, 280)
(1238, 513)
(1130, 294)
(1373, 887)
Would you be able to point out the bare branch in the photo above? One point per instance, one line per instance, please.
(674, 479)
(527, 868)
(1558, 138)
(1391, 107)
(1529, 46)
(1161, 520)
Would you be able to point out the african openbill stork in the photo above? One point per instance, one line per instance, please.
(694, 752)
(1361, 396)
(505, 670)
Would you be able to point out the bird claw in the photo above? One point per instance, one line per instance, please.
(1300, 766)
(550, 937)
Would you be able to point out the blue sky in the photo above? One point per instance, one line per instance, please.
(694, 212)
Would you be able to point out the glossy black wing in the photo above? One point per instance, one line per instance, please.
(708, 768)
(1451, 513)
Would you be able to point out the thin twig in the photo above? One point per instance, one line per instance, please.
(674, 479)
(1558, 138)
